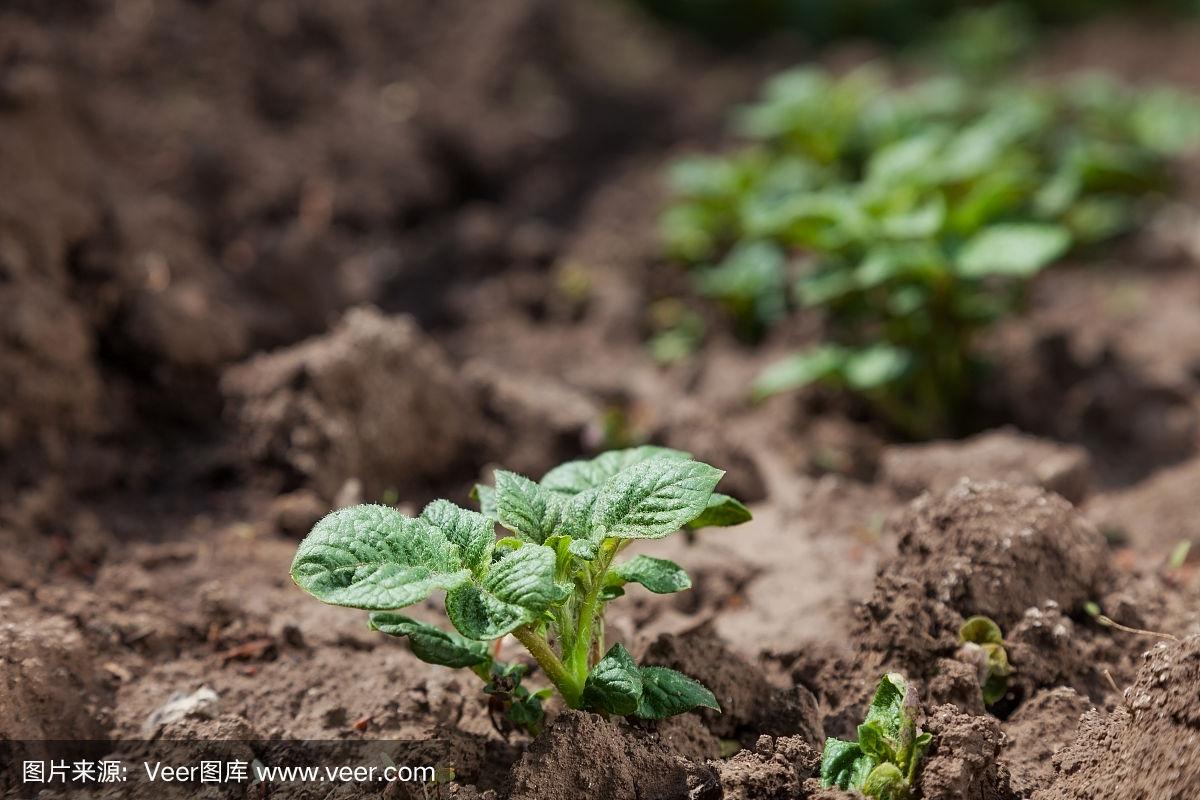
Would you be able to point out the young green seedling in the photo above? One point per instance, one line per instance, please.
(983, 643)
(883, 762)
(546, 582)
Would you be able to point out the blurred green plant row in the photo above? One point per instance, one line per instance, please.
(912, 216)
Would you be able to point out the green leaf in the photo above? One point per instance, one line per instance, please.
(611, 592)
(980, 630)
(666, 693)
(432, 644)
(474, 533)
(652, 499)
(657, 574)
(722, 511)
(886, 782)
(825, 286)
(799, 370)
(526, 712)
(844, 764)
(920, 747)
(873, 741)
(525, 508)
(985, 634)
(751, 279)
(875, 366)
(577, 523)
(883, 762)
(900, 261)
(486, 497)
(517, 590)
(1016, 250)
(615, 684)
(887, 706)
(995, 685)
(909, 160)
(574, 477)
(373, 557)
(918, 223)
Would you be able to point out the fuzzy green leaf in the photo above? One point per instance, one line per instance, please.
(615, 684)
(486, 497)
(980, 630)
(920, 746)
(657, 574)
(873, 741)
(432, 644)
(652, 499)
(517, 590)
(722, 511)
(886, 782)
(1015, 250)
(574, 477)
(525, 508)
(577, 523)
(887, 706)
(666, 693)
(887, 738)
(844, 764)
(474, 533)
(373, 557)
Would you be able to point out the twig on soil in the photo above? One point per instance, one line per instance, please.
(255, 648)
(1108, 676)
(1093, 611)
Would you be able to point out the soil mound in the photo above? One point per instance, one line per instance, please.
(961, 764)
(373, 400)
(776, 769)
(585, 755)
(996, 549)
(48, 686)
(1147, 747)
(980, 548)
(1002, 455)
(750, 704)
(1039, 729)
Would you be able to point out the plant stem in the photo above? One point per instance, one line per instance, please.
(577, 659)
(558, 674)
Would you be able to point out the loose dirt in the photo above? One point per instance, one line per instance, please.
(259, 259)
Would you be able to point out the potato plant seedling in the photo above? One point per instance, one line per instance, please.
(983, 643)
(913, 217)
(883, 762)
(547, 582)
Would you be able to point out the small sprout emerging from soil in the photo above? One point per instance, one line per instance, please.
(883, 762)
(546, 582)
(1179, 555)
(981, 638)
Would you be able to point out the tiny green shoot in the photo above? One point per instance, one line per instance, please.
(546, 582)
(1179, 555)
(883, 762)
(982, 640)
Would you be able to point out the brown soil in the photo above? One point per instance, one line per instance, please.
(1146, 747)
(262, 259)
